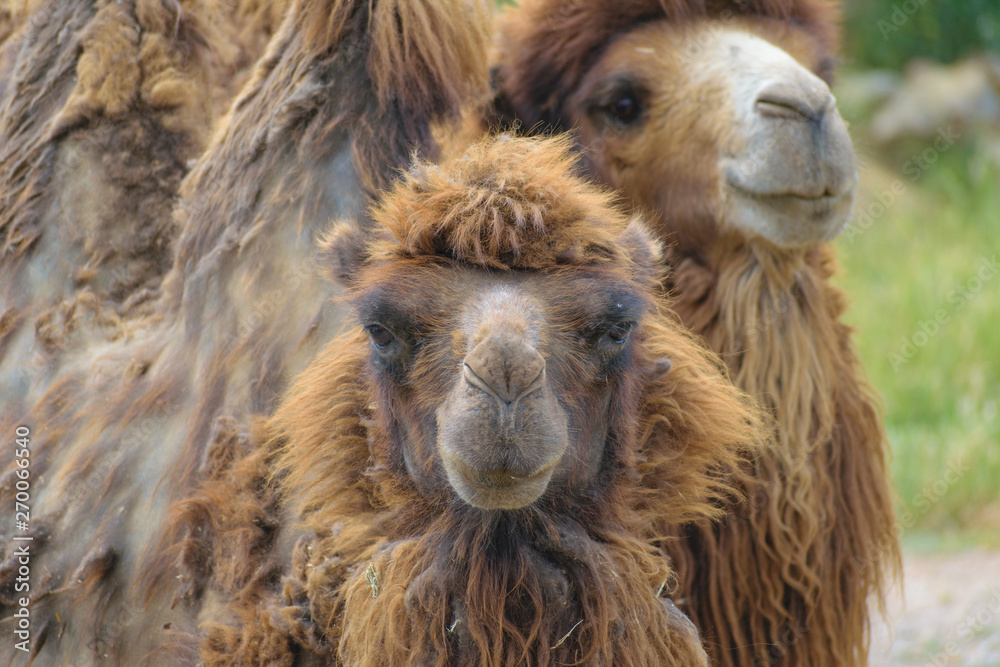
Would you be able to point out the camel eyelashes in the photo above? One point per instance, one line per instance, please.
(380, 336)
(392, 354)
(619, 332)
(609, 340)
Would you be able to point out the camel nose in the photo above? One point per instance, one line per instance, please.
(505, 366)
(800, 98)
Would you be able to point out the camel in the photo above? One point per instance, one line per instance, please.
(464, 460)
(718, 118)
(132, 423)
(242, 357)
(102, 107)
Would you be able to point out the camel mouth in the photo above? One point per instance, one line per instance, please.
(502, 479)
(790, 217)
(810, 208)
(826, 195)
(788, 174)
(498, 489)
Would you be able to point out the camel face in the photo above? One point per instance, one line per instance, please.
(501, 431)
(501, 297)
(720, 122)
(502, 381)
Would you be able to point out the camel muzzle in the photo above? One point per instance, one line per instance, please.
(501, 431)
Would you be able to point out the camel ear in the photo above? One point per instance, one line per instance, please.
(644, 249)
(342, 252)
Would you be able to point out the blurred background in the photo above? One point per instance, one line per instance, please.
(920, 85)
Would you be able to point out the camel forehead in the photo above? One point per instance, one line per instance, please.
(506, 202)
(664, 53)
(462, 296)
(503, 306)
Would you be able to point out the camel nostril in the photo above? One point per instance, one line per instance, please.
(794, 102)
(505, 366)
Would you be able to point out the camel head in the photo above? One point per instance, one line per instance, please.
(502, 299)
(720, 119)
(514, 417)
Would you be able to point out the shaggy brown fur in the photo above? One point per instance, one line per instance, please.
(395, 569)
(827, 541)
(13, 15)
(132, 424)
(787, 581)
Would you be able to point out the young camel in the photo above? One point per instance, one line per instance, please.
(717, 117)
(466, 459)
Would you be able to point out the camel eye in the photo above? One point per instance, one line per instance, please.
(619, 333)
(625, 109)
(380, 335)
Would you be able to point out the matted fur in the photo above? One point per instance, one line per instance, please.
(787, 581)
(339, 471)
(102, 107)
(137, 422)
(121, 63)
(13, 14)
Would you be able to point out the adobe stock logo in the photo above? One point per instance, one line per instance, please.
(914, 170)
(910, 346)
(901, 13)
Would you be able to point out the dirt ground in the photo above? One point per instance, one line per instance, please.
(951, 614)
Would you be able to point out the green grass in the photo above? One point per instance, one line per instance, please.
(942, 391)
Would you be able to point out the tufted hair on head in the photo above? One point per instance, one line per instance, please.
(506, 203)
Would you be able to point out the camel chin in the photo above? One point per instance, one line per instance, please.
(792, 178)
(787, 219)
(498, 490)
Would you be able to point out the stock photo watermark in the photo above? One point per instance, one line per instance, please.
(913, 169)
(980, 620)
(957, 298)
(931, 494)
(899, 17)
(22, 540)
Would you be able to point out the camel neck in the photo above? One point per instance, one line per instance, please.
(772, 315)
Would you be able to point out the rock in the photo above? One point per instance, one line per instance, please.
(860, 93)
(932, 97)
